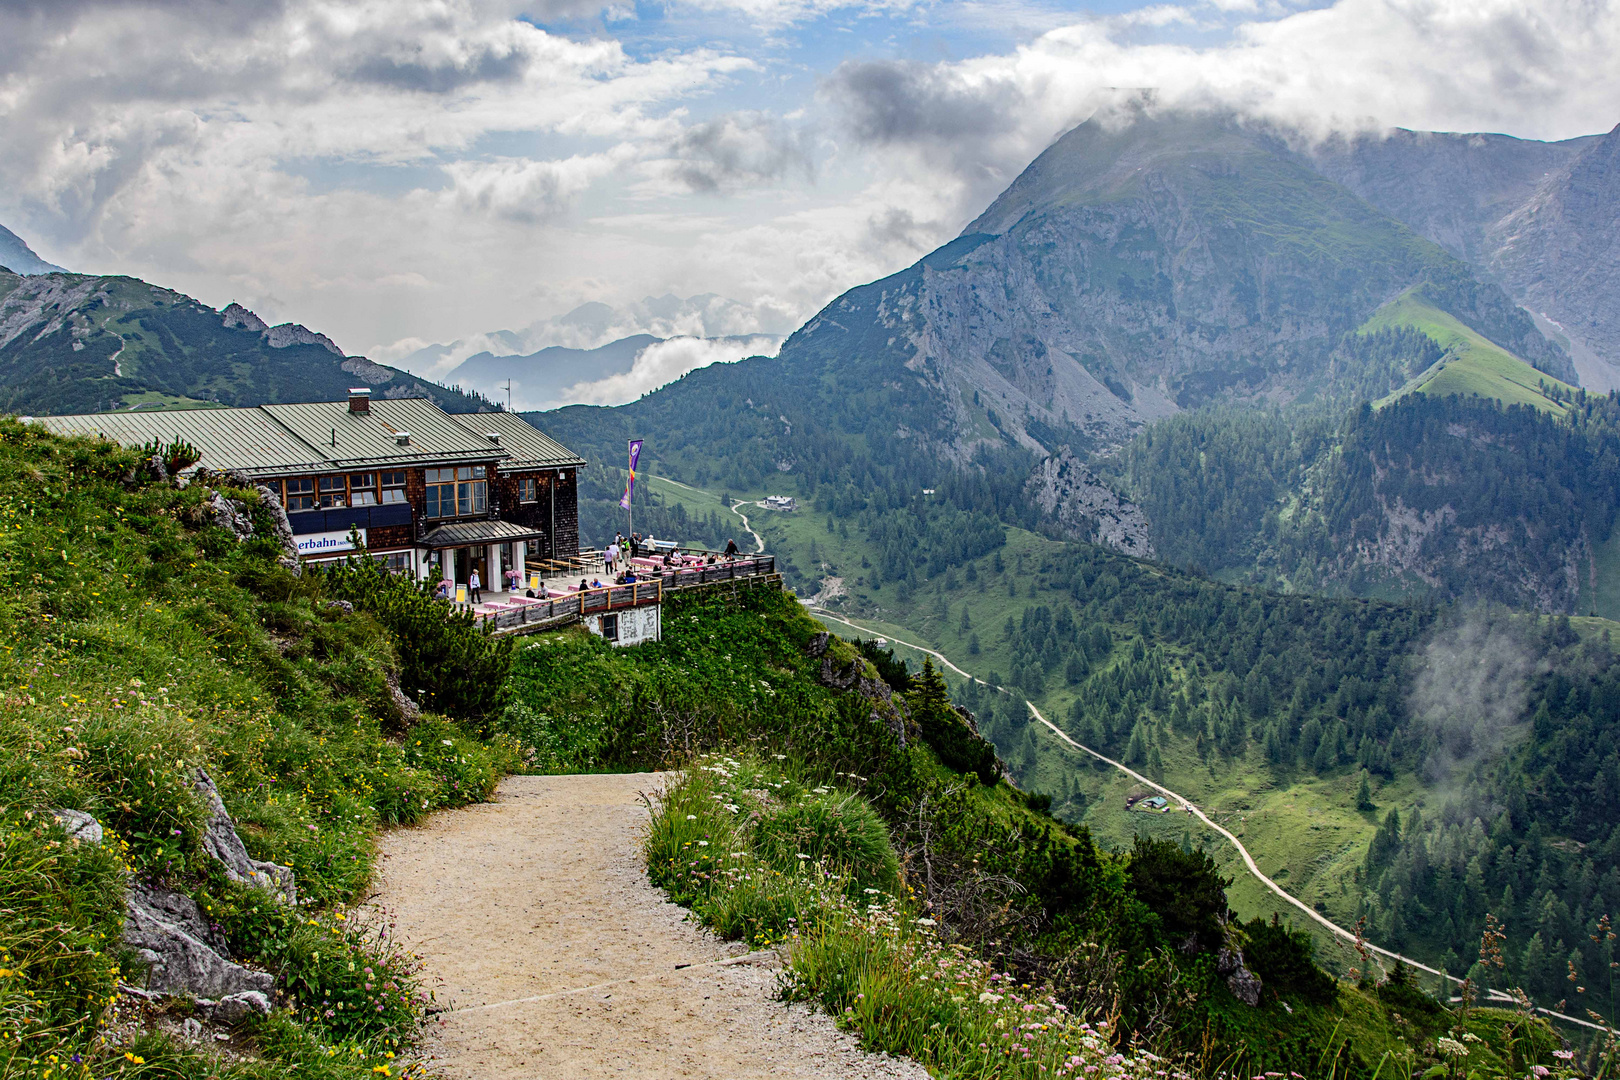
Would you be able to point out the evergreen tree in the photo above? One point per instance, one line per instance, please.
(1364, 794)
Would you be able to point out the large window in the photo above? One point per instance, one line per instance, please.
(393, 486)
(300, 494)
(398, 562)
(333, 492)
(363, 489)
(527, 490)
(457, 492)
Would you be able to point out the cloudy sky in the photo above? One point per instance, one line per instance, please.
(396, 172)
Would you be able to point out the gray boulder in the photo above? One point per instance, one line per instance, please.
(80, 827)
(222, 842)
(1244, 984)
(183, 953)
(231, 514)
(235, 1008)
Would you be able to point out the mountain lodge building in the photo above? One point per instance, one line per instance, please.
(430, 492)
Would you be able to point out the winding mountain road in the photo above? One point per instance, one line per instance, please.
(1192, 808)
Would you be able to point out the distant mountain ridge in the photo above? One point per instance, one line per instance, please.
(84, 343)
(1537, 217)
(541, 377)
(19, 258)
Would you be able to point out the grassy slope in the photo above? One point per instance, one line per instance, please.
(1473, 365)
(140, 642)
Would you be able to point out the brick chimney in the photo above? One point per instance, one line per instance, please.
(360, 400)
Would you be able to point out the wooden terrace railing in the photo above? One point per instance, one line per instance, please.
(538, 611)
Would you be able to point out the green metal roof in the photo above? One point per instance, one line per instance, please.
(528, 445)
(350, 440)
(248, 440)
(324, 436)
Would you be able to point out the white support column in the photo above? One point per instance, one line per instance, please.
(518, 549)
(496, 582)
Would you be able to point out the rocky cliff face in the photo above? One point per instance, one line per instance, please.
(1072, 495)
(279, 336)
(1448, 187)
(1559, 252)
(19, 258)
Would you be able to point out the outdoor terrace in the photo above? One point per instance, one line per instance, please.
(558, 597)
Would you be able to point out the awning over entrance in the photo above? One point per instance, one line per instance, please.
(469, 533)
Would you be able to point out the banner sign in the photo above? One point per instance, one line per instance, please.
(630, 487)
(326, 543)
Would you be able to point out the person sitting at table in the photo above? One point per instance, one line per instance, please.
(630, 577)
(442, 592)
(582, 586)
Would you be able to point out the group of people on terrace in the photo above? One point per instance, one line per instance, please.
(626, 560)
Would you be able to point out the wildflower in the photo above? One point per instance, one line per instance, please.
(1451, 1048)
(691, 817)
(925, 922)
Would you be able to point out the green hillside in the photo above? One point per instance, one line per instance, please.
(145, 641)
(1473, 366)
(1268, 718)
(78, 343)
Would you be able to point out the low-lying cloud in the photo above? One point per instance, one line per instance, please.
(663, 363)
(1471, 691)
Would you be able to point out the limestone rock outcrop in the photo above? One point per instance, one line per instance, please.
(1063, 487)
(222, 842)
(887, 709)
(183, 953)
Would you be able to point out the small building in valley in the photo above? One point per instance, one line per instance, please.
(780, 502)
(430, 493)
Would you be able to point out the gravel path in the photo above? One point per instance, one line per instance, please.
(557, 957)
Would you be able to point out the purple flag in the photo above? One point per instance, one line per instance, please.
(630, 486)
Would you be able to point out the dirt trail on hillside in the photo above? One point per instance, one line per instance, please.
(557, 958)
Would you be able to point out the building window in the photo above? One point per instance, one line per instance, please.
(610, 627)
(333, 492)
(528, 490)
(393, 486)
(300, 494)
(531, 549)
(397, 562)
(363, 489)
(457, 492)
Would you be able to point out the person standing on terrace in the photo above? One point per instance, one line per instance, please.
(475, 589)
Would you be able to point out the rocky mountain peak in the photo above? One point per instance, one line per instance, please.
(279, 336)
(235, 315)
